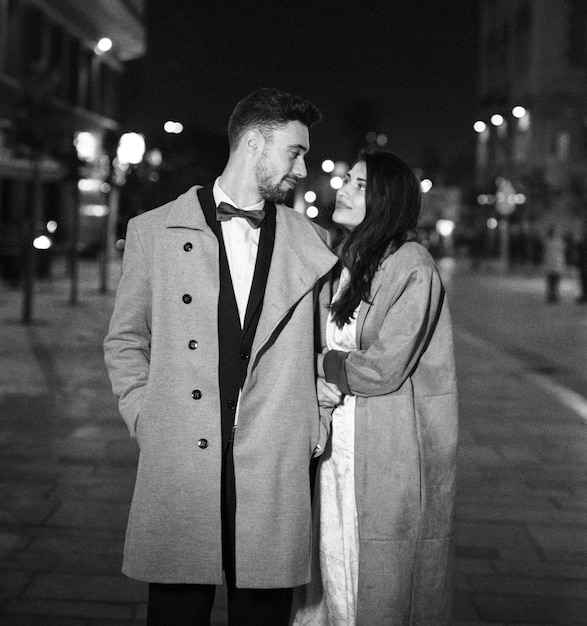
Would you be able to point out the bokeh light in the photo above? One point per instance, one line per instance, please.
(131, 148)
(327, 166)
(173, 128)
(86, 146)
(336, 182)
(445, 227)
(103, 45)
(42, 242)
(425, 185)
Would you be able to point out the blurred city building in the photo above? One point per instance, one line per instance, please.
(191, 150)
(531, 154)
(62, 64)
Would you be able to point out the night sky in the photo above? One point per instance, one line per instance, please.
(406, 68)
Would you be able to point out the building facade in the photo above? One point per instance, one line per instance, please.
(61, 68)
(532, 124)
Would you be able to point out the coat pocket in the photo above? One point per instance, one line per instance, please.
(388, 468)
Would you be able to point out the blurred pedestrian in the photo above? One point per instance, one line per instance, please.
(211, 352)
(582, 266)
(554, 263)
(385, 495)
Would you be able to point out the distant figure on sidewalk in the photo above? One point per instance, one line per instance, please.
(211, 352)
(582, 266)
(554, 263)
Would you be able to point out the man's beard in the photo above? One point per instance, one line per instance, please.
(270, 191)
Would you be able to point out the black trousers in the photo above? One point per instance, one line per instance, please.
(191, 605)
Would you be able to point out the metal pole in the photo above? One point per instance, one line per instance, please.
(504, 244)
(73, 256)
(110, 226)
(104, 254)
(29, 251)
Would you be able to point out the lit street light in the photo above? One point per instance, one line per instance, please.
(173, 128)
(425, 185)
(131, 149)
(104, 45)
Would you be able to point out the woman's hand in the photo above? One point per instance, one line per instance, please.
(329, 395)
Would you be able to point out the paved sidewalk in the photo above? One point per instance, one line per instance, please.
(522, 509)
(68, 465)
(522, 513)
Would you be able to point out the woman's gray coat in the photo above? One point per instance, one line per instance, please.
(403, 375)
(167, 299)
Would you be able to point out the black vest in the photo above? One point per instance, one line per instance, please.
(235, 344)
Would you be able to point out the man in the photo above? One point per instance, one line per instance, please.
(211, 352)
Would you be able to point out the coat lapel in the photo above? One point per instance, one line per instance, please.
(227, 302)
(262, 265)
(300, 259)
(184, 212)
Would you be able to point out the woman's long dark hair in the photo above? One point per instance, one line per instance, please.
(393, 203)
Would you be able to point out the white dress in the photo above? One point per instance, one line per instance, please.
(330, 599)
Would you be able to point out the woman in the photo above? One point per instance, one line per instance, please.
(384, 503)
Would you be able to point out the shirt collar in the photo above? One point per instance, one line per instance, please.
(221, 196)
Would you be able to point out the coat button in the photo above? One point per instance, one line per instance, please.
(193, 344)
(244, 356)
(202, 443)
(187, 246)
(196, 394)
(186, 298)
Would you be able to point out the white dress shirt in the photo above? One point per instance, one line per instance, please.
(241, 243)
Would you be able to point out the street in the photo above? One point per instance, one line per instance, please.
(68, 463)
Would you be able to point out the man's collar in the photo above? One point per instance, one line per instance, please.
(221, 196)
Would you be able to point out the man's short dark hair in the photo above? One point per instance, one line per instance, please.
(267, 109)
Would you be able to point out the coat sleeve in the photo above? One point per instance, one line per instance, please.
(128, 342)
(412, 308)
(324, 295)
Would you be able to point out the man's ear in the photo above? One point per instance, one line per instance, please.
(254, 142)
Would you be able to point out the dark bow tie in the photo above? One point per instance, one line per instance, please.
(226, 211)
